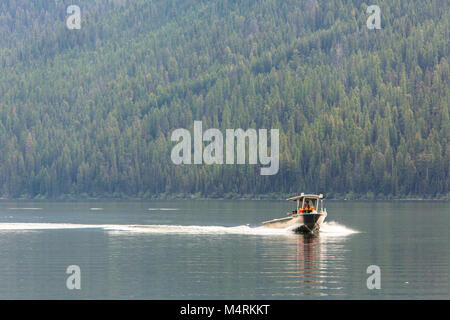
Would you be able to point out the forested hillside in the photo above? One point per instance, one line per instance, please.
(90, 112)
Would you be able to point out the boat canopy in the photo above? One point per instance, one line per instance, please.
(306, 196)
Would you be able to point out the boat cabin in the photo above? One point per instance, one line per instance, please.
(314, 200)
(302, 220)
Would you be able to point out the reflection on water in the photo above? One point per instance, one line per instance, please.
(309, 261)
(312, 270)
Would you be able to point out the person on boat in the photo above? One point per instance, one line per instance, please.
(307, 207)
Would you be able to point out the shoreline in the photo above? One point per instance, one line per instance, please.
(178, 197)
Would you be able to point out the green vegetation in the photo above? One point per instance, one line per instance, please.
(89, 112)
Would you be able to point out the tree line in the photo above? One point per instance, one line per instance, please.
(89, 112)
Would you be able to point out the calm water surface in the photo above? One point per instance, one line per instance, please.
(218, 250)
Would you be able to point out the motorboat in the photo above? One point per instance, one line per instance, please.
(307, 218)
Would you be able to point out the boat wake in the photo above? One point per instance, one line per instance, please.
(327, 229)
(171, 229)
(155, 229)
(332, 228)
(20, 226)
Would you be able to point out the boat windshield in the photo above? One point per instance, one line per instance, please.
(310, 204)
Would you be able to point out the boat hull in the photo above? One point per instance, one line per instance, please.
(305, 222)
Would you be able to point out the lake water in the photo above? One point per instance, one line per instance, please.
(218, 250)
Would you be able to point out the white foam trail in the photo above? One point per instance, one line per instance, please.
(332, 228)
(43, 226)
(328, 228)
(155, 229)
(173, 229)
(96, 209)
